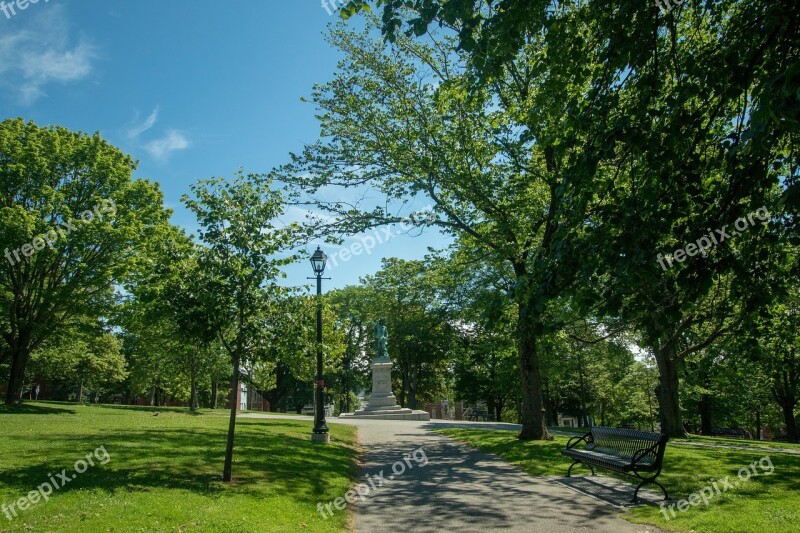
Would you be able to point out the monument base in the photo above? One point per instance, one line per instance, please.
(393, 414)
(382, 403)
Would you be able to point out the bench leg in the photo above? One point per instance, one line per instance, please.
(644, 482)
(580, 463)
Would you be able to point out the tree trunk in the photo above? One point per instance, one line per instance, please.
(758, 424)
(403, 388)
(80, 392)
(582, 418)
(788, 404)
(412, 391)
(193, 385)
(667, 394)
(226, 472)
(551, 414)
(193, 400)
(532, 414)
(250, 391)
(705, 414)
(16, 379)
(498, 410)
(214, 393)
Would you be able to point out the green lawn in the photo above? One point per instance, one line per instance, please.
(706, 439)
(764, 503)
(164, 472)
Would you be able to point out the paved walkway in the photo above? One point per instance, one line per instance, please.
(460, 489)
(447, 486)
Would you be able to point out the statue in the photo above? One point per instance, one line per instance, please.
(382, 402)
(382, 339)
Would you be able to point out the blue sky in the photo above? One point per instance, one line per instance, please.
(192, 89)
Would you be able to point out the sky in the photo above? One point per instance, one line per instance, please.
(192, 89)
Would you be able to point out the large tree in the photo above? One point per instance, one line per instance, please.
(695, 142)
(168, 296)
(692, 119)
(71, 218)
(400, 119)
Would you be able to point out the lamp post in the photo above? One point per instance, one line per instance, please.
(320, 432)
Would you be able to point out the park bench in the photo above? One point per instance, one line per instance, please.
(625, 451)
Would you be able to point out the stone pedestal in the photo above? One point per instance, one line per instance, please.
(382, 403)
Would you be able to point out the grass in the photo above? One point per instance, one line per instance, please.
(742, 442)
(165, 471)
(706, 439)
(764, 503)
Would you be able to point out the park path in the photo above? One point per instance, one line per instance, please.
(453, 487)
(461, 489)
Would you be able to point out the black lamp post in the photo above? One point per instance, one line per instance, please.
(320, 433)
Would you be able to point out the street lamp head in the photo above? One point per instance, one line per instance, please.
(318, 261)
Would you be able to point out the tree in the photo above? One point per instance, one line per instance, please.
(351, 305)
(686, 152)
(153, 350)
(492, 32)
(239, 263)
(83, 357)
(690, 118)
(168, 293)
(481, 309)
(779, 357)
(70, 220)
(402, 121)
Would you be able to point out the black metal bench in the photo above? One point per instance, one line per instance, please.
(625, 451)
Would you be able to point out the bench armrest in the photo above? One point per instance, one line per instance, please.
(657, 448)
(639, 454)
(587, 438)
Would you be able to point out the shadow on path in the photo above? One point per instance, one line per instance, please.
(460, 489)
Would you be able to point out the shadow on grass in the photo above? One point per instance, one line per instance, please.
(38, 408)
(160, 409)
(686, 469)
(689, 469)
(129, 408)
(270, 456)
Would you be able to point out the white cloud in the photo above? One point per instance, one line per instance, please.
(161, 148)
(41, 53)
(149, 122)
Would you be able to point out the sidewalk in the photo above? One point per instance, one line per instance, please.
(460, 489)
